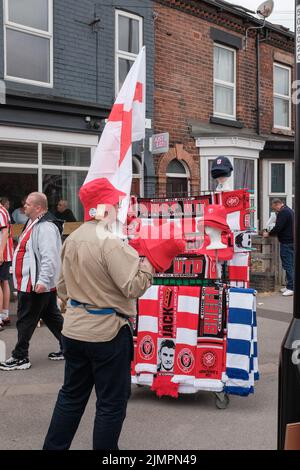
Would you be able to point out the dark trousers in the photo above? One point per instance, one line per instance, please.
(287, 259)
(105, 365)
(31, 308)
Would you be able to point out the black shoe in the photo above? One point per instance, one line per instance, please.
(6, 321)
(15, 364)
(56, 356)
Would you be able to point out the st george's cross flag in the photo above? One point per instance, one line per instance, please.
(126, 124)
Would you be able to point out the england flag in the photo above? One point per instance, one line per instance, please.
(126, 124)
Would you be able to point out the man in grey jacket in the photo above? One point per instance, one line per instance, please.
(36, 266)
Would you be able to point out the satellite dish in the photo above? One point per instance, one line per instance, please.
(265, 9)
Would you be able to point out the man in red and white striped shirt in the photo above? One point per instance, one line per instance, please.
(6, 255)
(36, 265)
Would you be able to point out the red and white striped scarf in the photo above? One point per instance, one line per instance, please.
(186, 334)
(239, 270)
(21, 261)
(146, 349)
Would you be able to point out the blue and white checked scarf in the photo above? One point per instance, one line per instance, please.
(241, 357)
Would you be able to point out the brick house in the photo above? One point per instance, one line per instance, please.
(207, 97)
(62, 64)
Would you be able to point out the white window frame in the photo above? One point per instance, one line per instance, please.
(226, 84)
(283, 97)
(286, 178)
(40, 137)
(35, 32)
(123, 54)
(266, 194)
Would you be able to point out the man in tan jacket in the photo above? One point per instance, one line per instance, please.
(101, 279)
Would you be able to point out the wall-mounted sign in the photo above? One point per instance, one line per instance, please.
(159, 143)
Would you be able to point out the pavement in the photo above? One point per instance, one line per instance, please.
(190, 423)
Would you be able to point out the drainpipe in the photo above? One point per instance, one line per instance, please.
(258, 82)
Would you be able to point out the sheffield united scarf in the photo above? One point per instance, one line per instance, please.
(186, 335)
(146, 352)
(239, 270)
(212, 312)
(237, 205)
(213, 268)
(209, 364)
(166, 342)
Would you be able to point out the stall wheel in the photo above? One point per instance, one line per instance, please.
(221, 400)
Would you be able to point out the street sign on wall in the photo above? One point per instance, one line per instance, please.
(159, 143)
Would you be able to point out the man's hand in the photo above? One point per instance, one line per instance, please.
(40, 289)
(62, 305)
(265, 234)
(147, 265)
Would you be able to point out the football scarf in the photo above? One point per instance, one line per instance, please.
(166, 342)
(146, 351)
(239, 270)
(212, 312)
(186, 335)
(213, 269)
(237, 205)
(241, 357)
(209, 364)
(210, 351)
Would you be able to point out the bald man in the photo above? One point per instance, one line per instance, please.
(36, 266)
(63, 212)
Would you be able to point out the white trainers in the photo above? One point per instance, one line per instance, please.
(288, 292)
(283, 289)
(15, 364)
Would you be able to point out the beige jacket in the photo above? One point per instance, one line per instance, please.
(101, 270)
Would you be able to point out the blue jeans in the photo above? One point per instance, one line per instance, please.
(287, 259)
(107, 367)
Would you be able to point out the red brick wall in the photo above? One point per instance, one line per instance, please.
(184, 81)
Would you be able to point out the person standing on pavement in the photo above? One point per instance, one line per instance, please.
(101, 279)
(6, 255)
(36, 265)
(284, 230)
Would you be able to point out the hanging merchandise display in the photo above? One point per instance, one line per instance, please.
(196, 325)
(237, 207)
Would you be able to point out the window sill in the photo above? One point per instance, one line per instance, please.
(287, 132)
(226, 122)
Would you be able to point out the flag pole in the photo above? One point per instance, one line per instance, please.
(143, 168)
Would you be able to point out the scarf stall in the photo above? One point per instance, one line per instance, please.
(196, 327)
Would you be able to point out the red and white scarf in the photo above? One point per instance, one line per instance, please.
(21, 261)
(239, 270)
(186, 335)
(210, 364)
